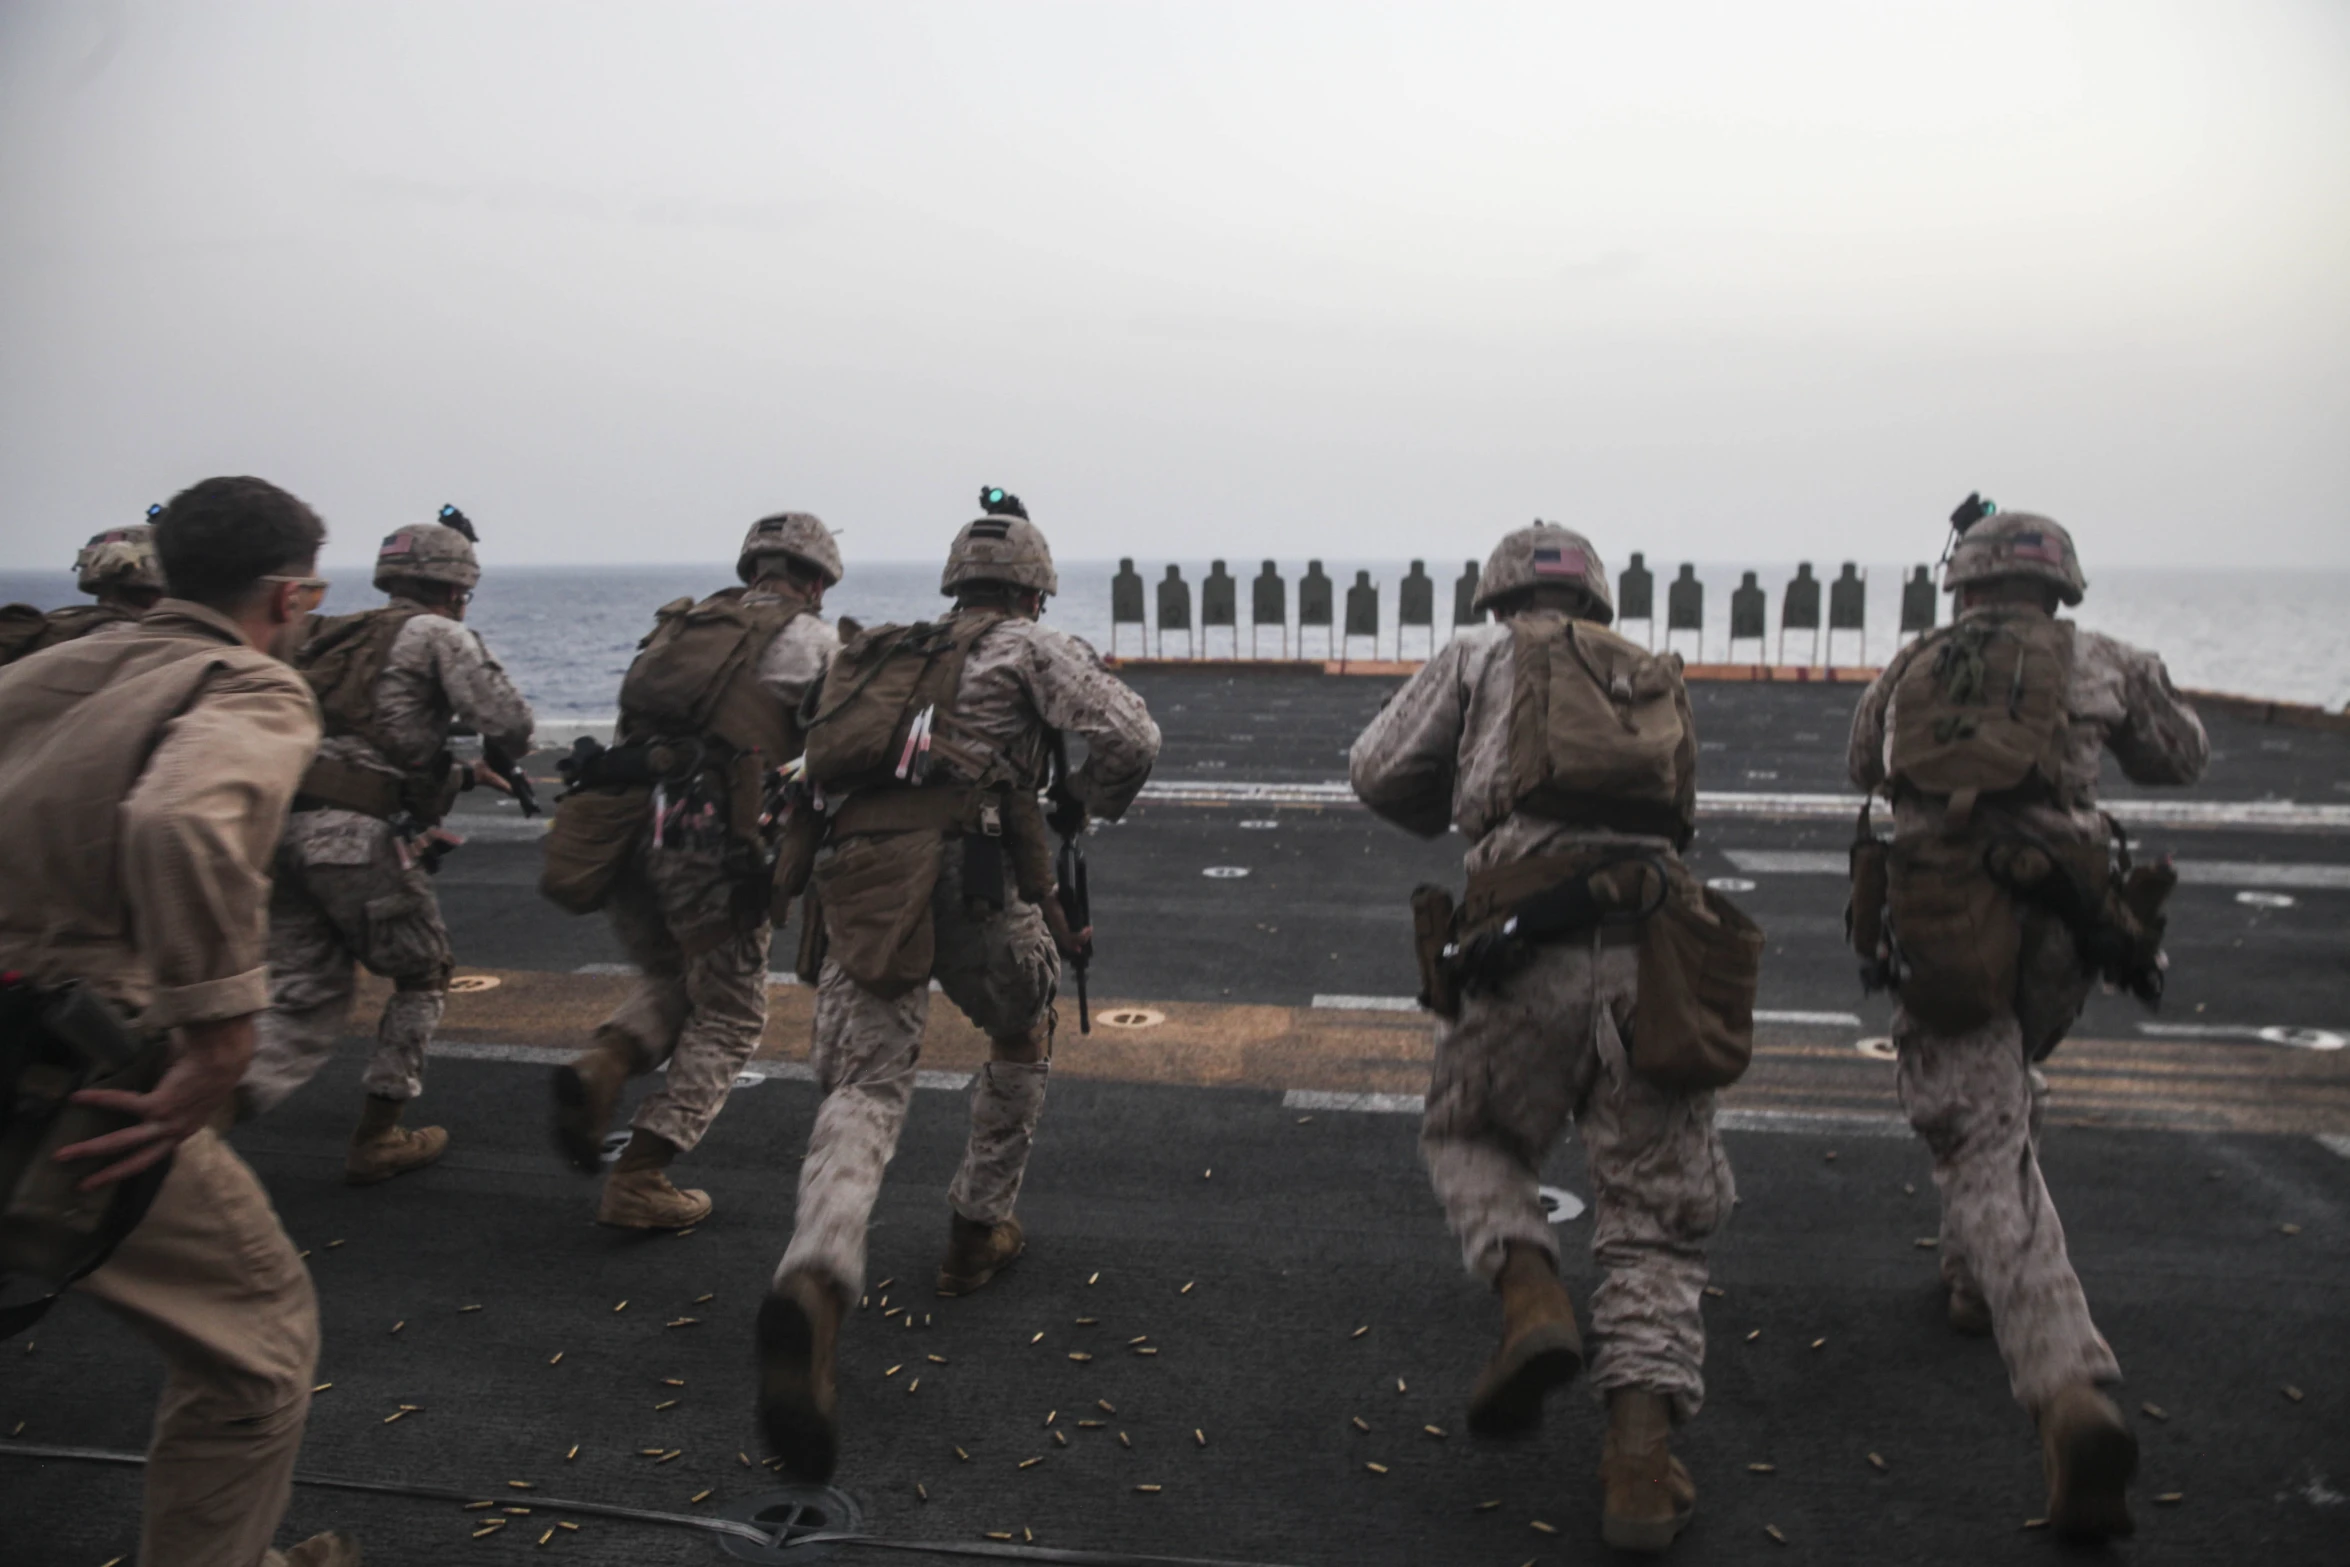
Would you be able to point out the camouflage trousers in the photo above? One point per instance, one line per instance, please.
(1975, 1099)
(1510, 1073)
(1002, 970)
(700, 1000)
(344, 896)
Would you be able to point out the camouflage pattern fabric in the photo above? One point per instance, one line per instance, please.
(1023, 679)
(1002, 970)
(1973, 1096)
(1519, 1065)
(700, 1000)
(438, 671)
(1510, 1075)
(345, 896)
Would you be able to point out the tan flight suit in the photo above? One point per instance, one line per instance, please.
(349, 891)
(1518, 1064)
(700, 1003)
(1020, 681)
(1971, 1095)
(145, 777)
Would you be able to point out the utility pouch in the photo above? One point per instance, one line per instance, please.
(593, 834)
(1958, 932)
(983, 861)
(808, 965)
(876, 890)
(1432, 920)
(429, 795)
(1864, 911)
(1700, 965)
(54, 1043)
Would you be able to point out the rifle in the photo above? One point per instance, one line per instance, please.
(1077, 907)
(526, 793)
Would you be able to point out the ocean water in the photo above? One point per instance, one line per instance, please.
(567, 633)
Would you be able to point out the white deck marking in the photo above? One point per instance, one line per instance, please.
(1376, 1104)
(2335, 1143)
(2273, 1034)
(1787, 862)
(1812, 1123)
(1811, 1019)
(2192, 873)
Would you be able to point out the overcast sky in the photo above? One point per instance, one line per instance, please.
(1728, 281)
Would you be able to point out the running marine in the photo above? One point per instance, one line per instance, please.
(672, 833)
(353, 887)
(1566, 756)
(931, 743)
(1998, 903)
(117, 568)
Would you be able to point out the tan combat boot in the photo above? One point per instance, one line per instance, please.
(586, 1093)
(2091, 1457)
(799, 1326)
(1647, 1497)
(637, 1194)
(1540, 1348)
(977, 1252)
(382, 1148)
(320, 1550)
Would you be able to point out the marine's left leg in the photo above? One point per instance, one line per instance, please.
(402, 938)
(1000, 967)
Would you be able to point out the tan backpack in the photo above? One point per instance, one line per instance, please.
(1600, 731)
(877, 718)
(341, 657)
(696, 675)
(1979, 708)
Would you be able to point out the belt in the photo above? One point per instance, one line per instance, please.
(932, 809)
(333, 785)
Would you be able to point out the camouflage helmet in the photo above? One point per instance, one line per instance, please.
(1002, 546)
(2015, 544)
(1545, 554)
(798, 534)
(426, 552)
(119, 558)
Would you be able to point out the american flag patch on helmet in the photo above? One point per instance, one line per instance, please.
(397, 545)
(2036, 546)
(113, 536)
(1553, 562)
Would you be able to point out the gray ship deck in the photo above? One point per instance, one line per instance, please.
(1251, 1140)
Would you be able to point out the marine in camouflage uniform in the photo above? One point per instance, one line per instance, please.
(1021, 683)
(117, 568)
(1974, 1096)
(1524, 1060)
(681, 911)
(351, 889)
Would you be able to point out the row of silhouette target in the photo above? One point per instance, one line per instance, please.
(1799, 607)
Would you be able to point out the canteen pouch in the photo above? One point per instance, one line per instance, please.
(875, 889)
(1700, 964)
(1958, 932)
(1864, 910)
(1432, 921)
(593, 834)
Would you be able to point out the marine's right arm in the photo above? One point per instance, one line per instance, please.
(199, 830)
(1403, 765)
(794, 662)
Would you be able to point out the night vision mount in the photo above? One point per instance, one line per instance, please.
(451, 517)
(1971, 511)
(996, 501)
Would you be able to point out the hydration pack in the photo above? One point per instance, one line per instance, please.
(696, 676)
(1979, 709)
(876, 719)
(24, 629)
(1600, 731)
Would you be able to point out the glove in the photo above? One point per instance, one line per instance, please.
(1068, 816)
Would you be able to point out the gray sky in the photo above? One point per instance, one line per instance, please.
(1726, 281)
